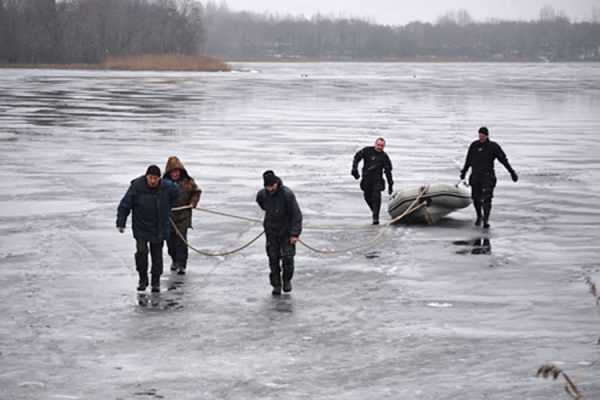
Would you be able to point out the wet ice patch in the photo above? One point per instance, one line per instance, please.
(32, 384)
(439, 305)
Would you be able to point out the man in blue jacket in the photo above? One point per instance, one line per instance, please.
(283, 225)
(150, 199)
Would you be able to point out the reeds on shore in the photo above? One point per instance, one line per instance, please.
(551, 370)
(148, 62)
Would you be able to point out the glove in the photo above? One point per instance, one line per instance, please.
(462, 175)
(390, 189)
(121, 229)
(514, 176)
(355, 173)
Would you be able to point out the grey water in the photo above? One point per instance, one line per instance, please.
(428, 312)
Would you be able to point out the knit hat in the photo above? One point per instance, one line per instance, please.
(270, 178)
(483, 130)
(153, 170)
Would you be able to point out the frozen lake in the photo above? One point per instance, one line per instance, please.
(425, 313)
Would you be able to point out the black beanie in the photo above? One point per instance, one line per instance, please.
(269, 178)
(153, 170)
(483, 130)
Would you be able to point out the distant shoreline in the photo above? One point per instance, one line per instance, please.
(184, 63)
(423, 60)
(167, 62)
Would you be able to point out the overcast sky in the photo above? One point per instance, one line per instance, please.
(401, 12)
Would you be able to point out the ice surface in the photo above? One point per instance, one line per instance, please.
(442, 312)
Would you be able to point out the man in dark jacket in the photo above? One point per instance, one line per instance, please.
(189, 196)
(480, 158)
(283, 225)
(375, 162)
(151, 199)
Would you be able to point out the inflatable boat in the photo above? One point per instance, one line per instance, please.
(437, 200)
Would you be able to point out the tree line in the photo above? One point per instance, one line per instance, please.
(454, 37)
(89, 31)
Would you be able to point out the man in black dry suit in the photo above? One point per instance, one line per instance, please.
(375, 162)
(480, 158)
(283, 225)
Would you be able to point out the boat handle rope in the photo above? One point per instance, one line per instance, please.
(414, 206)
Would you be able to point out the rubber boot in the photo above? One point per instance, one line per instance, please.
(288, 273)
(477, 205)
(181, 268)
(155, 283)
(487, 210)
(275, 280)
(143, 281)
(287, 286)
(376, 201)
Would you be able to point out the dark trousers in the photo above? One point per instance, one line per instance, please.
(144, 247)
(372, 194)
(482, 192)
(177, 248)
(281, 257)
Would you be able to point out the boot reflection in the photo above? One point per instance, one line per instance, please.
(482, 246)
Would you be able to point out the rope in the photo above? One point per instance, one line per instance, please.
(229, 215)
(415, 205)
(208, 254)
(308, 227)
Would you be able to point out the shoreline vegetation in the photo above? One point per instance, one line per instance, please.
(200, 63)
(149, 62)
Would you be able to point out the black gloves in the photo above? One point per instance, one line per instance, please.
(390, 189)
(462, 175)
(514, 176)
(355, 173)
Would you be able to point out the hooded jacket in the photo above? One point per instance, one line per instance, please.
(282, 213)
(151, 209)
(190, 193)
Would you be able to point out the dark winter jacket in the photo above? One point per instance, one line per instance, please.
(480, 158)
(374, 164)
(151, 209)
(190, 193)
(282, 213)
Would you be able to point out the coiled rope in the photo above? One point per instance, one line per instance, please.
(415, 205)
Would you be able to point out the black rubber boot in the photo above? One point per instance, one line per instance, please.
(181, 268)
(287, 286)
(376, 199)
(477, 205)
(275, 280)
(288, 273)
(155, 283)
(143, 281)
(487, 210)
